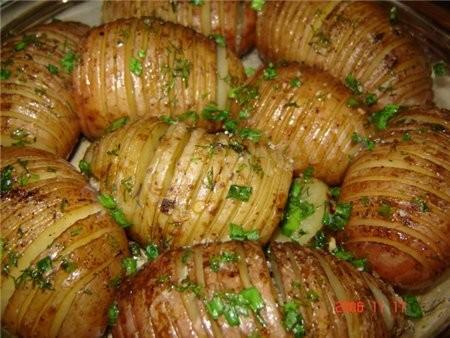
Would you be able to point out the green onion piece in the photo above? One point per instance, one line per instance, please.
(257, 5)
(254, 298)
(293, 319)
(215, 307)
(7, 178)
(240, 192)
(107, 201)
(113, 313)
(370, 99)
(353, 84)
(253, 135)
(130, 265)
(4, 74)
(167, 119)
(212, 113)
(270, 72)
(116, 124)
(85, 167)
(440, 68)
(52, 69)
(151, 251)
(381, 118)
(249, 71)
(135, 66)
(337, 220)
(68, 61)
(413, 309)
(236, 232)
(219, 39)
(295, 82)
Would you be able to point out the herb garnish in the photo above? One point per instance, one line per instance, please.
(381, 118)
(108, 202)
(293, 319)
(240, 192)
(363, 140)
(217, 261)
(117, 124)
(236, 232)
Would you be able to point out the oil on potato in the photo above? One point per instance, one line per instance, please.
(401, 202)
(355, 38)
(179, 186)
(234, 20)
(60, 250)
(229, 290)
(37, 106)
(147, 67)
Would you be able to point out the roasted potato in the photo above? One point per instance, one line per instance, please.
(303, 112)
(234, 20)
(352, 40)
(60, 250)
(147, 67)
(229, 290)
(400, 193)
(179, 186)
(37, 107)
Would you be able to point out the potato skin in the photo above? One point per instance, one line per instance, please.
(152, 304)
(37, 107)
(55, 216)
(310, 123)
(147, 67)
(234, 20)
(172, 182)
(401, 201)
(348, 38)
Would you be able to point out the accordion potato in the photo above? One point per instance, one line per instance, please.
(37, 106)
(353, 41)
(234, 20)
(147, 67)
(179, 186)
(230, 290)
(304, 113)
(401, 202)
(60, 250)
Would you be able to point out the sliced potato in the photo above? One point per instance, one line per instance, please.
(60, 250)
(303, 112)
(147, 67)
(348, 38)
(234, 20)
(401, 200)
(230, 290)
(37, 107)
(180, 186)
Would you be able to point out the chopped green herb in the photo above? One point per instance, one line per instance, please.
(225, 257)
(297, 210)
(257, 5)
(187, 285)
(365, 201)
(363, 140)
(52, 69)
(381, 118)
(337, 220)
(212, 113)
(85, 168)
(244, 95)
(359, 263)
(117, 124)
(108, 202)
(319, 240)
(236, 232)
(219, 39)
(385, 210)
(421, 204)
(308, 173)
(293, 319)
(185, 256)
(230, 125)
(25, 42)
(393, 14)
(413, 309)
(312, 296)
(21, 137)
(240, 192)
(254, 298)
(113, 314)
(406, 136)
(141, 53)
(182, 69)
(253, 135)
(197, 2)
(353, 84)
(151, 251)
(370, 99)
(4, 74)
(189, 115)
(130, 265)
(114, 152)
(440, 68)
(353, 102)
(250, 71)
(7, 178)
(135, 66)
(68, 265)
(118, 215)
(68, 61)
(115, 282)
(210, 180)
(295, 82)
(335, 192)
(270, 72)
(37, 274)
(167, 119)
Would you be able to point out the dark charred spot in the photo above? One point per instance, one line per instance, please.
(377, 37)
(390, 60)
(167, 205)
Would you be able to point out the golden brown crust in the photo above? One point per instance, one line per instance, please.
(172, 182)
(348, 38)
(50, 213)
(401, 202)
(234, 20)
(37, 107)
(309, 122)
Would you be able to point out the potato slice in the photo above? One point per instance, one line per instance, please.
(179, 191)
(37, 106)
(59, 249)
(401, 201)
